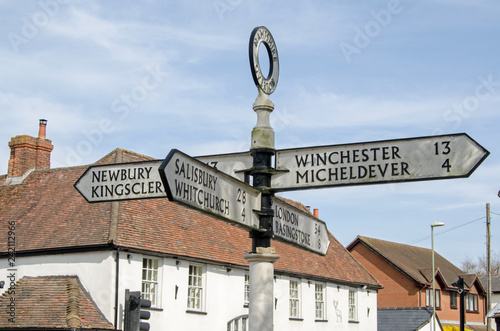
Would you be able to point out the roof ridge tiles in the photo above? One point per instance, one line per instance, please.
(73, 313)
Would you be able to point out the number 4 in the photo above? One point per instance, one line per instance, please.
(446, 165)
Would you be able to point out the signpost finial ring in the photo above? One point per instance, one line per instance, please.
(261, 35)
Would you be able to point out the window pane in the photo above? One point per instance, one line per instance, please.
(244, 324)
(150, 280)
(294, 299)
(195, 288)
(319, 301)
(352, 306)
(246, 297)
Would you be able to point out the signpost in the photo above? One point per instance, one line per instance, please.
(216, 184)
(121, 181)
(233, 164)
(299, 227)
(193, 183)
(141, 180)
(389, 161)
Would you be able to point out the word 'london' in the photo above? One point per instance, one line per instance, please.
(286, 224)
(347, 157)
(124, 182)
(191, 193)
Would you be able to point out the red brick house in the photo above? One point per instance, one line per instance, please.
(405, 274)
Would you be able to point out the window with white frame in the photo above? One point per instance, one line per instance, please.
(150, 280)
(429, 299)
(353, 305)
(246, 293)
(195, 288)
(471, 303)
(294, 293)
(239, 323)
(319, 299)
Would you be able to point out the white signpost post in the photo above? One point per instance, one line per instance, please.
(121, 181)
(194, 183)
(414, 159)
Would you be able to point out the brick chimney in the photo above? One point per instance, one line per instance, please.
(29, 153)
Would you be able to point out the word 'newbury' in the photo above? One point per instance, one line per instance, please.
(125, 181)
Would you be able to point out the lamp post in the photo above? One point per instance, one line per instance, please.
(433, 225)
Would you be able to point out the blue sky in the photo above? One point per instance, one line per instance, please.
(150, 76)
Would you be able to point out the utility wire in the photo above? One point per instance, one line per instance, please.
(448, 230)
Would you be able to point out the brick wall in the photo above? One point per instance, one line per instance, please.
(28, 153)
(399, 290)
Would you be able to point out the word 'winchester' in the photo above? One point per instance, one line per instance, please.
(350, 164)
(199, 187)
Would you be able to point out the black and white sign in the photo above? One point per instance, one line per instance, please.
(299, 227)
(232, 164)
(424, 158)
(121, 181)
(194, 183)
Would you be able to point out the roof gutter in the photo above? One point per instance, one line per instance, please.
(62, 250)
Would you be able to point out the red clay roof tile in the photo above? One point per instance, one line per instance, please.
(412, 260)
(51, 302)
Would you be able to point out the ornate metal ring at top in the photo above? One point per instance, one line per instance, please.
(262, 35)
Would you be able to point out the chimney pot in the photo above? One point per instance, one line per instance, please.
(316, 213)
(42, 131)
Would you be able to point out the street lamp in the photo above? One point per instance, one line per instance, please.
(433, 225)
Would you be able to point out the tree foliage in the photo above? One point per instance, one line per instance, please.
(479, 265)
